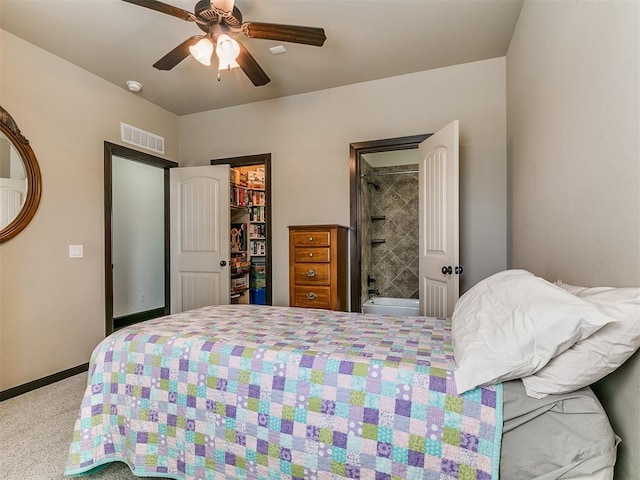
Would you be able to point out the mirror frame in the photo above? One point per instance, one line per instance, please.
(9, 127)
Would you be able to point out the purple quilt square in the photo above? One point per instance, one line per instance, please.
(352, 471)
(416, 459)
(346, 367)
(114, 388)
(278, 383)
(237, 351)
(382, 476)
(262, 447)
(488, 397)
(164, 373)
(181, 466)
(109, 448)
(403, 407)
(153, 338)
(172, 420)
(371, 415)
(229, 458)
(285, 454)
(254, 391)
(184, 365)
(306, 361)
(162, 469)
(340, 439)
(449, 466)
(142, 437)
(482, 475)
(96, 409)
(437, 384)
(286, 426)
(469, 441)
(207, 346)
(230, 411)
(191, 401)
(384, 449)
(200, 450)
(146, 392)
(108, 357)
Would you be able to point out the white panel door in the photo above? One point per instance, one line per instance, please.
(439, 244)
(199, 236)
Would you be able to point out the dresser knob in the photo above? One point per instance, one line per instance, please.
(311, 239)
(311, 296)
(311, 254)
(311, 273)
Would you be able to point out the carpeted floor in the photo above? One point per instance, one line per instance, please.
(35, 433)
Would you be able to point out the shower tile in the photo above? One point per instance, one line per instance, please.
(406, 282)
(406, 250)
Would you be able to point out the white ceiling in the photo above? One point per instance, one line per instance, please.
(366, 40)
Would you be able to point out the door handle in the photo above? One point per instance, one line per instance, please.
(447, 270)
(223, 263)
(459, 270)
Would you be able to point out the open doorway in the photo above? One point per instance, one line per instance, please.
(136, 213)
(362, 187)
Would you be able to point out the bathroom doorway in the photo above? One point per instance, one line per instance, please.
(384, 218)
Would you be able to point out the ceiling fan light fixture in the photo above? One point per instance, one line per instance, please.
(202, 51)
(227, 50)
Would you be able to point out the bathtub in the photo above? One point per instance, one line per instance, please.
(392, 306)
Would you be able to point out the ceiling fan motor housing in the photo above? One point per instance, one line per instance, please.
(208, 15)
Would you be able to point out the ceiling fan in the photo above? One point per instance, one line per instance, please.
(222, 21)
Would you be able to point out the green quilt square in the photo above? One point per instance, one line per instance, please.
(451, 436)
(360, 369)
(453, 404)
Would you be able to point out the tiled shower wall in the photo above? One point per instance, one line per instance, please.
(394, 262)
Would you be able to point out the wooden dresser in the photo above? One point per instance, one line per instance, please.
(318, 266)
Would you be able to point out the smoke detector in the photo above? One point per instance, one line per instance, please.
(134, 86)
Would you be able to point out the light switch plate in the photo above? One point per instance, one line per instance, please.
(76, 251)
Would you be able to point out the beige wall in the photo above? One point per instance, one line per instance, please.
(573, 95)
(52, 307)
(574, 146)
(309, 136)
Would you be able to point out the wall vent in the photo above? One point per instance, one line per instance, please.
(140, 138)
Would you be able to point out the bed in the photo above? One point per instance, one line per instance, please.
(263, 392)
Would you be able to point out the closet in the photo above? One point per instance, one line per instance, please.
(249, 229)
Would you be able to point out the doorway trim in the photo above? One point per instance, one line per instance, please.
(110, 150)
(355, 155)
(245, 161)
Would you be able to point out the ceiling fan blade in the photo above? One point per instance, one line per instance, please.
(285, 33)
(251, 68)
(178, 54)
(164, 8)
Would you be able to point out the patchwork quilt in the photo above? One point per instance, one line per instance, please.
(260, 392)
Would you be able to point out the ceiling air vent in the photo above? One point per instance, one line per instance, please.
(140, 138)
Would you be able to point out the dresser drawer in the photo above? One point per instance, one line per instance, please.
(312, 254)
(311, 238)
(312, 297)
(311, 274)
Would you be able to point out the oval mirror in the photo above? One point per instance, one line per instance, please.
(20, 183)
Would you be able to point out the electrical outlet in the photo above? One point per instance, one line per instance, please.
(76, 251)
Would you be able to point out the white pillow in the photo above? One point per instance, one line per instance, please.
(511, 324)
(593, 358)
